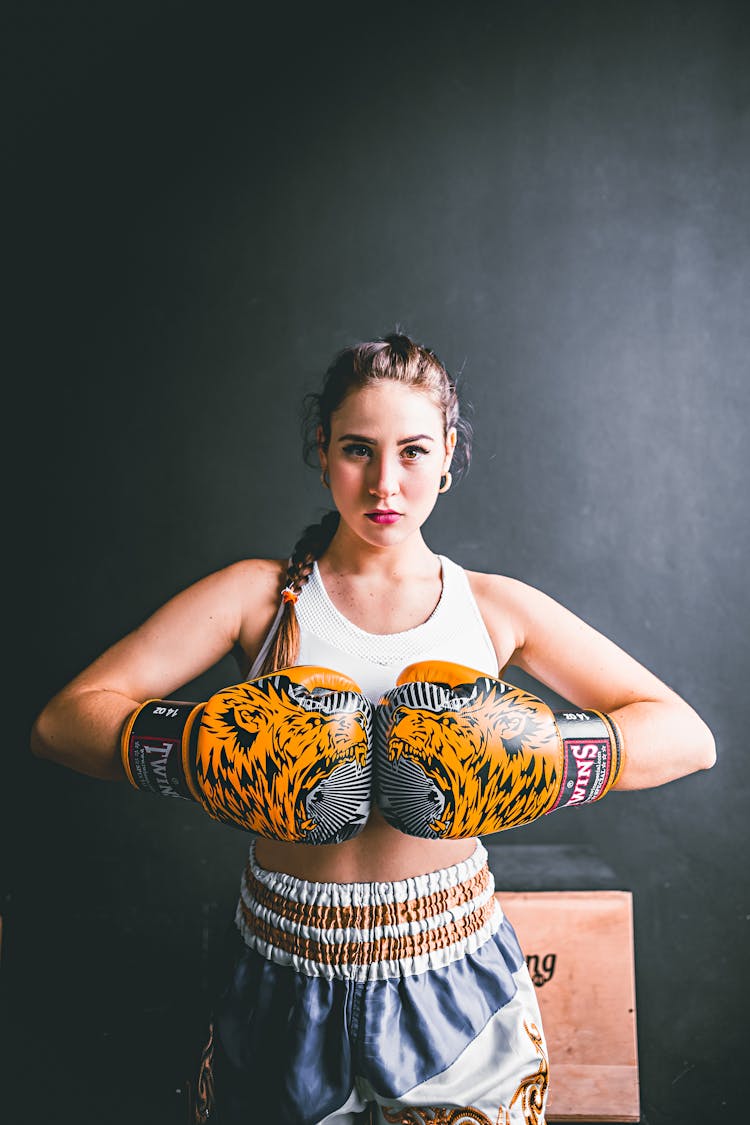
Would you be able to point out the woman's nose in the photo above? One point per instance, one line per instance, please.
(384, 480)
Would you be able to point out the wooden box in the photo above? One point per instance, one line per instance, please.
(579, 949)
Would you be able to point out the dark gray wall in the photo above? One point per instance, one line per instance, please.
(206, 202)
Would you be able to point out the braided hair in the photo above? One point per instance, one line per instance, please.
(397, 358)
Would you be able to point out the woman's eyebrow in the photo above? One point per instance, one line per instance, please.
(372, 441)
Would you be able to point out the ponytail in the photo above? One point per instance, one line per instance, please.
(283, 644)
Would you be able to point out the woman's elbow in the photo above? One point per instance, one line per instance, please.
(706, 749)
(694, 746)
(42, 740)
(37, 742)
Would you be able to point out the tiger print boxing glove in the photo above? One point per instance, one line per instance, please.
(460, 754)
(286, 755)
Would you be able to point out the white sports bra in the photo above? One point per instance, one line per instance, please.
(454, 631)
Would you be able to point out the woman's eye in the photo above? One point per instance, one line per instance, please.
(357, 450)
(414, 452)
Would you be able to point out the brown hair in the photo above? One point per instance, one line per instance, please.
(394, 357)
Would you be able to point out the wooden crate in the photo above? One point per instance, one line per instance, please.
(579, 949)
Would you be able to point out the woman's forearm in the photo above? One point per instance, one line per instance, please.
(663, 740)
(81, 730)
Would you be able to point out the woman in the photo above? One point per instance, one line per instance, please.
(376, 974)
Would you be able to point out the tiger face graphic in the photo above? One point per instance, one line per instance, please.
(274, 755)
(477, 759)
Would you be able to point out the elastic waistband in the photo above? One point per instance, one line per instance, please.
(369, 931)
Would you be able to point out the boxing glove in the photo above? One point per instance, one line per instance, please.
(460, 754)
(286, 755)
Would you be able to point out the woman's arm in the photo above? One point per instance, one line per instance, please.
(664, 738)
(80, 726)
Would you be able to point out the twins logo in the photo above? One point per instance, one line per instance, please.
(590, 761)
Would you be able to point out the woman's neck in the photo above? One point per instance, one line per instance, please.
(348, 554)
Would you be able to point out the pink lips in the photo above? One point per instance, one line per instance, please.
(383, 517)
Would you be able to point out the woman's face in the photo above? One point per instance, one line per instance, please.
(384, 460)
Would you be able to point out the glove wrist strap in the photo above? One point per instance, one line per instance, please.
(592, 755)
(155, 747)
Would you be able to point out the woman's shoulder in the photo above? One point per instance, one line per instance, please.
(257, 585)
(254, 582)
(243, 596)
(255, 574)
(497, 585)
(245, 582)
(503, 603)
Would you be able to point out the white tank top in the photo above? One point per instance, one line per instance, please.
(454, 631)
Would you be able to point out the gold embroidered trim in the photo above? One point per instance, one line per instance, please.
(531, 1090)
(417, 1116)
(367, 917)
(365, 952)
(203, 1097)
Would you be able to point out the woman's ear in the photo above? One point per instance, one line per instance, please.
(450, 447)
(322, 448)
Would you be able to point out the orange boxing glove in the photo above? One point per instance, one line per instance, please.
(286, 755)
(459, 754)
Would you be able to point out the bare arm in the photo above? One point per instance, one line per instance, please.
(664, 737)
(80, 726)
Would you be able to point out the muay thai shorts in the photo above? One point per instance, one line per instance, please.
(400, 1002)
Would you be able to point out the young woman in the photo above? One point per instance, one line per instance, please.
(376, 976)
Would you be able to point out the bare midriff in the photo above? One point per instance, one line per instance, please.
(379, 854)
